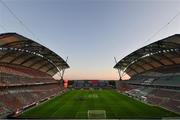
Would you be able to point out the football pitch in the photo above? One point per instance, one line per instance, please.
(77, 103)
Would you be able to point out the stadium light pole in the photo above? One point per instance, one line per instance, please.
(119, 72)
(59, 73)
(63, 70)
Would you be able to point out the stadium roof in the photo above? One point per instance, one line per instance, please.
(18, 50)
(160, 54)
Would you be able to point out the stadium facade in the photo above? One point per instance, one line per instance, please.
(155, 73)
(26, 73)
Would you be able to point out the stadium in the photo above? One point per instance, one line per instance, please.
(26, 70)
(141, 82)
(155, 75)
(28, 89)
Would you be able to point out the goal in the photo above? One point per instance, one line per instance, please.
(96, 114)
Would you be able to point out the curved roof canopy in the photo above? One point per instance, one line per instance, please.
(158, 55)
(18, 50)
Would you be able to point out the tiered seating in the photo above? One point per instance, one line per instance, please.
(164, 97)
(137, 80)
(147, 90)
(91, 84)
(4, 69)
(123, 86)
(4, 110)
(163, 80)
(172, 105)
(21, 87)
(11, 101)
(9, 80)
(17, 98)
(149, 81)
(79, 84)
(23, 71)
(168, 81)
(177, 96)
(154, 100)
(164, 93)
(22, 76)
(139, 92)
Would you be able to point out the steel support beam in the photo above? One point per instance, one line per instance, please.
(30, 58)
(156, 60)
(36, 62)
(46, 63)
(17, 57)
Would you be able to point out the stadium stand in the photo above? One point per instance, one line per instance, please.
(26, 74)
(155, 73)
(92, 84)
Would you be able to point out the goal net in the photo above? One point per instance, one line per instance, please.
(95, 114)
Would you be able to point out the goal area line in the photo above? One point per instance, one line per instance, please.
(96, 114)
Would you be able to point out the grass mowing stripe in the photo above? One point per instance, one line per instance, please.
(45, 109)
(147, 110)
(68, 104)
(82, 107)
(54, 105)
(124, 104)
(108, 102)
(62, 105)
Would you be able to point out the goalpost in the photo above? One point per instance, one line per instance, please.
(96, 114)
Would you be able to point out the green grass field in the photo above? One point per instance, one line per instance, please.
(76, 103)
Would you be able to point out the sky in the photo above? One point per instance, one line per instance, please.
(91, 32)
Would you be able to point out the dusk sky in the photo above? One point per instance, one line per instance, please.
(91, 32)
